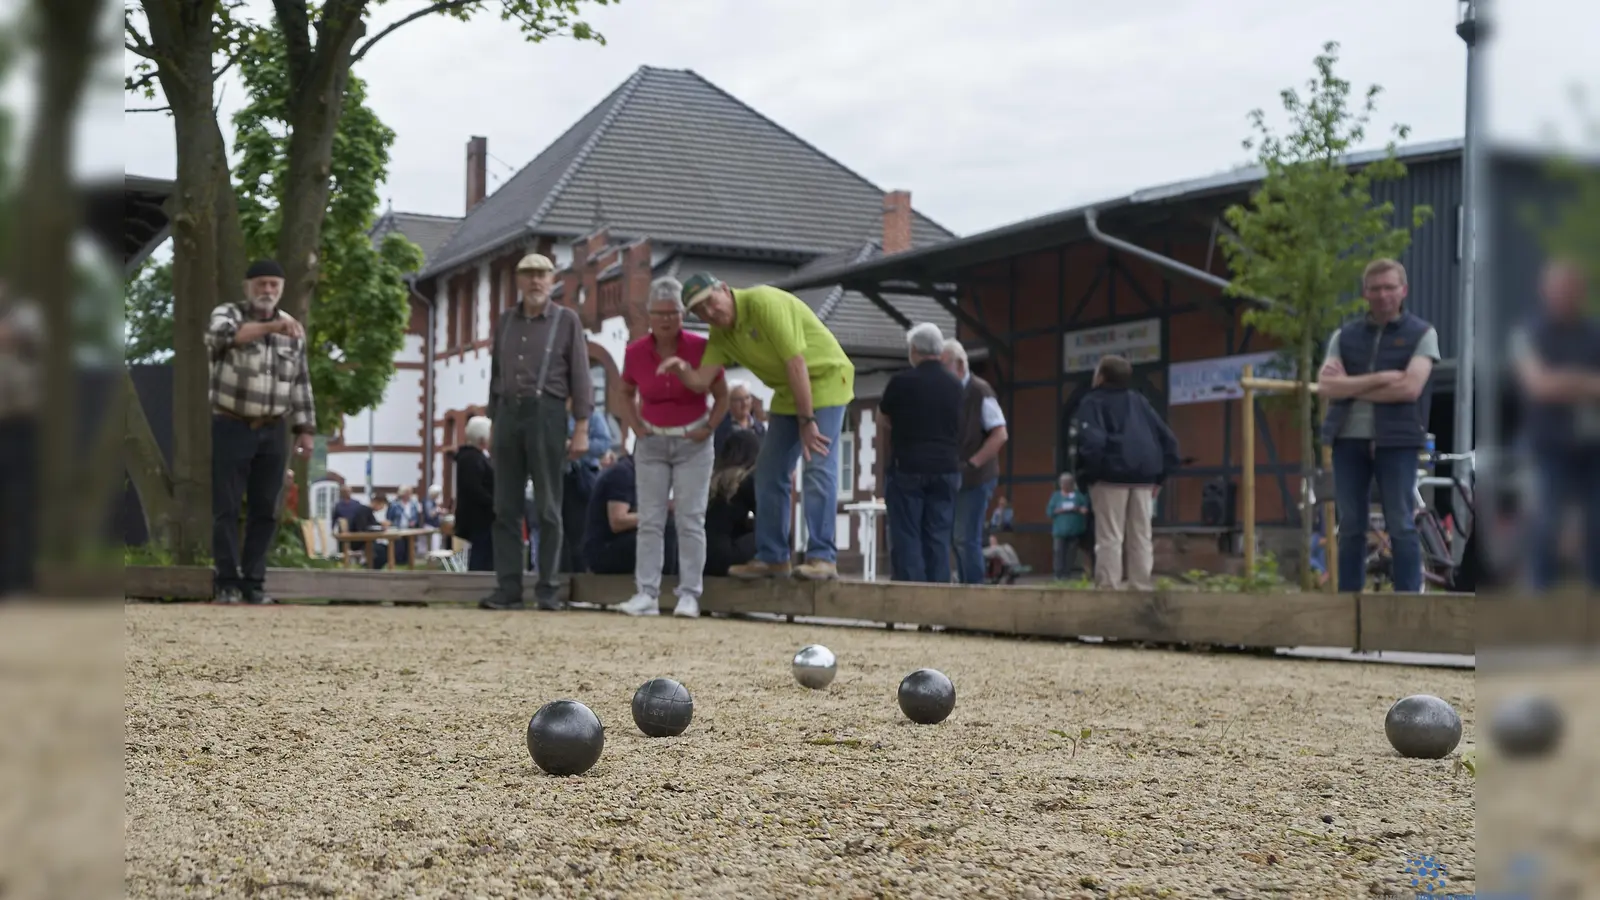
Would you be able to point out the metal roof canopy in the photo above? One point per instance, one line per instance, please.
(930, 270)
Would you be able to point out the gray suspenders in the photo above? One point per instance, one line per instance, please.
(556, 321)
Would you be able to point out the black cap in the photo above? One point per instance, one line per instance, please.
(264, 268)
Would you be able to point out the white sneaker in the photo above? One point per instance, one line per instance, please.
(688, 607)
(641, 605)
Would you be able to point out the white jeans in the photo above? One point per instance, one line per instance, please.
(679, 468)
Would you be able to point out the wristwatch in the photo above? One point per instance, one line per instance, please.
(807, 420)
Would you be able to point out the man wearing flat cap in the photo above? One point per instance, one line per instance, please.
(781, 341)
(260, 391)
(539, 361)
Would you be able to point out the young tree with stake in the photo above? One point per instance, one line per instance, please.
(1309, 230)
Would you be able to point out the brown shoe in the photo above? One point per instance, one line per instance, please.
(755, 569)
(817, 570)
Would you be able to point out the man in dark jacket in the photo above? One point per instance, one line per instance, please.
(475, 496)
(1557, 358)
(1375, 379)
(983, 433)
(923, 405)
(1125, 452)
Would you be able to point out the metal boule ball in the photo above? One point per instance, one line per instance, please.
(565, 738)
(927, 696)
(815, 666)
(1422, 727)
(1526, 725)
(662, 708)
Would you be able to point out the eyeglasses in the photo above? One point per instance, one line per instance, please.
(666, 313)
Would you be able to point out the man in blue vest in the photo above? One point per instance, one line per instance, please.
(1557, 359)
(1376, 379)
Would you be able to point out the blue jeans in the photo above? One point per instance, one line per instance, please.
(922, 511)
(1355, 464)
(1564, 478)
(819, 488)
(971, 504)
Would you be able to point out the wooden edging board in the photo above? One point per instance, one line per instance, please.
(1427, 623)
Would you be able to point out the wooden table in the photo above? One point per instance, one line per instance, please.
(346, 538)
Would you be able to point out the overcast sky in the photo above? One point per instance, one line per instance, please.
(986, 117)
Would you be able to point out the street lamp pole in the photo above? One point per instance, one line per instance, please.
(1476, 313)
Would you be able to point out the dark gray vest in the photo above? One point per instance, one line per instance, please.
(1561, 345)
(1365, 348)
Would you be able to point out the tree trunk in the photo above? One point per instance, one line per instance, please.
(317, 82)
(48, 213)
(316, 98)
(146, 467)
(1308, 461)
(181, 30)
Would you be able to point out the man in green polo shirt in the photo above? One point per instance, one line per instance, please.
(781, 341)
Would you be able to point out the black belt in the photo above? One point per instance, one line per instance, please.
(257, 422)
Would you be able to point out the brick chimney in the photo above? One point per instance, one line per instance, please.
(477, 170)
(896, 222)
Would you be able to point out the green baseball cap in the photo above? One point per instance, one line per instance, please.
(698, 288)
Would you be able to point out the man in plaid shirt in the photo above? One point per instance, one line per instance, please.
(259, 385)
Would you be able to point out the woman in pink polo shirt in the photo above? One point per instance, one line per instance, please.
(673, 454)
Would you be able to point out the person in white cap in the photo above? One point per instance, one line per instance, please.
(539, 362)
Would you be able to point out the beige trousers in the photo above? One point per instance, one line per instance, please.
(1122, 532)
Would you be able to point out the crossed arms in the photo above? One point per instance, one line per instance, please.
(1387, 386)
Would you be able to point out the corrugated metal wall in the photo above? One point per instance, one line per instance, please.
(1432, 262)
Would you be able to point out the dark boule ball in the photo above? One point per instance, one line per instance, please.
(1526, 725)
(662, 708)
(1422, 727)
(927, 696)
(565, 738)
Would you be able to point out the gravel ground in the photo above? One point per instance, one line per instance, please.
(379, 752)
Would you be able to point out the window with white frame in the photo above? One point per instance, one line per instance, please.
(845, 452)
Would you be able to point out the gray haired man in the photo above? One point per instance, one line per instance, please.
(923, 405)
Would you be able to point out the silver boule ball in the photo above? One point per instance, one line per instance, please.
(1525, 726)
(815, 666)
(1423, 727)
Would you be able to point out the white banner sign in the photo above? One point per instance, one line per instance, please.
(1212, 380)
(1137, 342)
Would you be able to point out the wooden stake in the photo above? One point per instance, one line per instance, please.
(1247, 472)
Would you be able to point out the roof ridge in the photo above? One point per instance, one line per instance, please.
(810, 146)
(622, 95)
(416, 215)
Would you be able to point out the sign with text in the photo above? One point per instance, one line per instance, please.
(1213, 380)
(1137, 342)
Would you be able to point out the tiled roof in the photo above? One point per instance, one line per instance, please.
(863, 328)
(427, 232)
(670, 156)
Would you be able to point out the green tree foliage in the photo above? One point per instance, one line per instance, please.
(361, 295)
(1572, 231)
(1309, 229)
(147, 314)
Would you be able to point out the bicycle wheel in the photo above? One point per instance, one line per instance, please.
(1438, 565)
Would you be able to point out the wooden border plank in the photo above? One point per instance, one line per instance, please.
(1425, 623)
(1417, 623)
(1179, 617)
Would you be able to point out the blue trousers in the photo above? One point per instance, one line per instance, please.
(819, 488)
(1356, 464)
(921, 511)
(1565, 478)
(971, 504)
